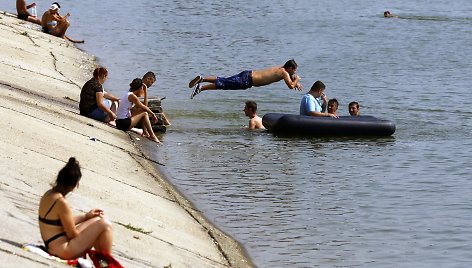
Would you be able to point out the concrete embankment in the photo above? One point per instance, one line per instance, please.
(40, 128)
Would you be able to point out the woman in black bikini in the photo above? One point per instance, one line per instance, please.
(67, 236)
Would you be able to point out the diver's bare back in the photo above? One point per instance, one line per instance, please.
(268, 76)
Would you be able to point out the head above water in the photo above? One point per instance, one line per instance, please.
(68, 177)
(333, 105)
(354, 108)
(250, 108)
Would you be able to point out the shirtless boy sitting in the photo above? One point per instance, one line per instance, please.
(23, 14)
(248, 79)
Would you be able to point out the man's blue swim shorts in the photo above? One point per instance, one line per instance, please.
(242, 80)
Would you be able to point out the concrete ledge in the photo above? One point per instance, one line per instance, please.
(40, 128)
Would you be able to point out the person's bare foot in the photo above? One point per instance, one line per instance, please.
(155, 139)
(74, 41)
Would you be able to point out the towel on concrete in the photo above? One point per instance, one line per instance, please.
(40, 250)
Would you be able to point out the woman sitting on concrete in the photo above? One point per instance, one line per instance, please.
(95, 102)
(132, 111)
(67, 236)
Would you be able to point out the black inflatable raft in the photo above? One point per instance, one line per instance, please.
(326, 126)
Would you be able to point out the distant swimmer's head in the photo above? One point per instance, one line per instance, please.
(55, 6)
(387, 14)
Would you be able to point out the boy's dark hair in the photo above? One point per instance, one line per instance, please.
(251, 105)
(317, 86)
(135, 84)
(354, 103)
(333, 101)
(290, 64)
(59, 6)
(149, 74)
(68, 177)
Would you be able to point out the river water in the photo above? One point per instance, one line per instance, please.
(402, 201)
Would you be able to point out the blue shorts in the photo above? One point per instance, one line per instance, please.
(242, 80)
(98, 114)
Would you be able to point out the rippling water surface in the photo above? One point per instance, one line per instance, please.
(403, 201)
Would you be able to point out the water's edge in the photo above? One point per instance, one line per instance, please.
(230, 248)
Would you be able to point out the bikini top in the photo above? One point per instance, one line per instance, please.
(50, 222)
(52, 23)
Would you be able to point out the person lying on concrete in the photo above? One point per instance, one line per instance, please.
(65, 235)
(149, 79)
(55, 24)
(248, 79)
(354, 109)
(314, 102)
(333, 105)
(24, 14)
(255, 121)
(128, 116)
(95, 102)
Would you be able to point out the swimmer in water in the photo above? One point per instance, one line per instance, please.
(387, 14)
